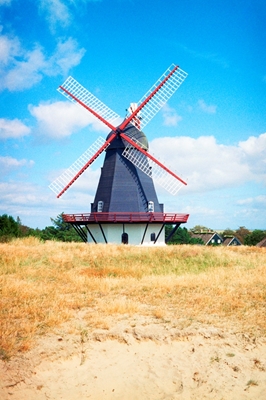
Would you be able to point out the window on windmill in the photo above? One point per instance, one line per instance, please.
(150, 206)
(124, 238)
(153, 237)
(100, 206)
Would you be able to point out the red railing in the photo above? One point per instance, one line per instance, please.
(114, 217)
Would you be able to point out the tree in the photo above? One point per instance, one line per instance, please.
(60, 230)
(200, 228)
(254, 237)
(228, 233)
(49, 233)
(9, 228)
(25, 231)
(241, 233)
(181, 236)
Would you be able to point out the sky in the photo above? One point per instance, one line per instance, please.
(212, 132)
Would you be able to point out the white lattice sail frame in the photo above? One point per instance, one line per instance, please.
(156, 102)
(63, 180)
(152, 169)
(87, 98)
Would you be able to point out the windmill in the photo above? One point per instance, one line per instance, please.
(125, 208)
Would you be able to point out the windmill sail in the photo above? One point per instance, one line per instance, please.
(152, 102)
(152, 167)
(139, 115)
(75, 92)
(68, 177)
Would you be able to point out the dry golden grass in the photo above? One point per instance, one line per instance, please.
(43, 285)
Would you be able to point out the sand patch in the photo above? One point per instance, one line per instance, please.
(138, 358)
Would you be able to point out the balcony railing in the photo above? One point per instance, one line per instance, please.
(125, 217)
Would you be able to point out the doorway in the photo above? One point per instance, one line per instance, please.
(124, 238)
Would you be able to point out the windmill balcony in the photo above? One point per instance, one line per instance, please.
(125, 217)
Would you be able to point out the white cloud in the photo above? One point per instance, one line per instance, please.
(24, 74)
(35, 204)
(170, 116)
(56, 12)
(21, 69)
(252, 209)
(9, 48)
(5, 2)
(209, 165)
(87, 182)
(217, 167)
(212, 57)
(254, 201)
(254, 149)
(12, 129)
(62, 118)
(8, 164)
(209, 109)
(254, 146)
(26, 200)
(66, 56)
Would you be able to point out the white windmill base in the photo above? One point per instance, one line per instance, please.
(127, 228)
(133, 234)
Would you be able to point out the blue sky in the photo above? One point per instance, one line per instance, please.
(212, 131)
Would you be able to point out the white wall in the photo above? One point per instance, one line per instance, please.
(113, 233)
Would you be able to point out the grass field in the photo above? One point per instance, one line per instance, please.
(43, 285)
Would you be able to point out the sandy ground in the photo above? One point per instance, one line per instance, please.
(138, 358)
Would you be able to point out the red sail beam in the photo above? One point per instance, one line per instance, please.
(101, 149)
(134, 144)
(139, 108)
(88, 108)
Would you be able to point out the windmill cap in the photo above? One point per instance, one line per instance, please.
(134, 134)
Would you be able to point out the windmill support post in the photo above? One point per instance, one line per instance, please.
(159, 233)
(104, 237)
(172, 232)
(80, 232)
(91, 235)
(145, 230)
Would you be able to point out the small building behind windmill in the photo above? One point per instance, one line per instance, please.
(208, 237)
(231, 241)
(212, 238)
(262, 243)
